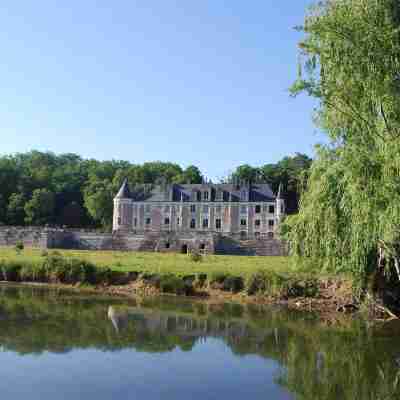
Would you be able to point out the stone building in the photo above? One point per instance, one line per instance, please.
(181, 217)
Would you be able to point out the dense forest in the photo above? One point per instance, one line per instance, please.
(42, 188)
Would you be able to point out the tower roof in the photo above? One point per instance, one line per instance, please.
(280, 189)
(124, 192)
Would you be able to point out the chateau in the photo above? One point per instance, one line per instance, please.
(206, 216)
(239, 218)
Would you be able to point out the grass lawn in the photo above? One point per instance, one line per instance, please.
(179, 264)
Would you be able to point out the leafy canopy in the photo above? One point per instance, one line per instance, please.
(351, 64)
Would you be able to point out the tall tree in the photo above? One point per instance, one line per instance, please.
(350, 213)
(40, 208)
(15, 213)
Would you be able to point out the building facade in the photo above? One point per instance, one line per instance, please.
(239, 211)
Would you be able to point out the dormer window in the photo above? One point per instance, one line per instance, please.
(198, 196)
(243, 195)
(205, 196)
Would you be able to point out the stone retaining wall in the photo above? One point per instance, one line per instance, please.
(161, 242)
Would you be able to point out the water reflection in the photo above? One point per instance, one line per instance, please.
(296, 352)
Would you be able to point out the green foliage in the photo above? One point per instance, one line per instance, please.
(172, 284)
(291, 172)
(282, 285)
(351, 208)
(15, 214)
(195, 256)
(19, 246)
(40, 208)
(99, 202)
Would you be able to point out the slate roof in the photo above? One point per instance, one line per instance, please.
(124, 192)
(260, 192)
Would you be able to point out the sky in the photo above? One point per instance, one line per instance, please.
(192, 82)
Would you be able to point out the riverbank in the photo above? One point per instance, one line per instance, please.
(261, 280)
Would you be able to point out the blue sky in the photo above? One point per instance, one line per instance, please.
(193, 82)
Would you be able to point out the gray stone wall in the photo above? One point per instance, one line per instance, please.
(163, 241)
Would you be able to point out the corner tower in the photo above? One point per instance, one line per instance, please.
(122, 216)
(280, 205)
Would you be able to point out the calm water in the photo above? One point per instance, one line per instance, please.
(61, 345)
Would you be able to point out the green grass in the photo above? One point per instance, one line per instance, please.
(163, 263)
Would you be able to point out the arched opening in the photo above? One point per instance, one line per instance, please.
(203, 246)
(184, 249)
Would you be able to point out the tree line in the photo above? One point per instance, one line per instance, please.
(42, 188)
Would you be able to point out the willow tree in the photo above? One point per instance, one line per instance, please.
(349, 216)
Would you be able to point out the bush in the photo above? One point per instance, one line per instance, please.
(44, 253)
(172, 284)
(218, 277)
(19, 246)
(11, 271)
(200, 280)
(233, 284)
(195, 256)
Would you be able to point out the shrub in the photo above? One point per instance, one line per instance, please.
(11, 271)
(195, 256)
(19, 246)
(200, 280)
(218, 277)
(257, 283)
(233, 284)
(44, 253)
(172, 284)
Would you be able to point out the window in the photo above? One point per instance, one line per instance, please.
(257, 222)
(243, 222)
(167, 245)
(203, 246)
(193, 208)
(166, 209)
(193, 224)
(166, 221)
(257, 235)
(148, 221)
(119, 220)
(282, 209)
(205, 223)
(135, 222)
(218, 223)
(243, 195)
(205, 209)
(271, 223)
(243, 209)
(206, 194)
(225, 196)
(243, 234)
(218, 210)
(271, 209)
(258, 209)
(148, 208)
(198, 196)
(270, 235)
(178, 221)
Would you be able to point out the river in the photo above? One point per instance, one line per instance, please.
(58, 344)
